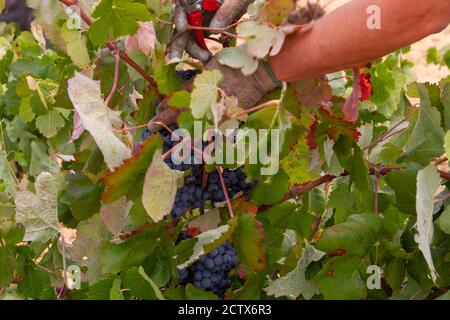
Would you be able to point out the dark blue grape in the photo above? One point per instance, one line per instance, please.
(198, 275)
(211, 271)
(186, 75)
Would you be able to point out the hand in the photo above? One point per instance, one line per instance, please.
(230, 11)
(248, 89)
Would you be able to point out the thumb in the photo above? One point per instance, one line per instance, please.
(230, 11)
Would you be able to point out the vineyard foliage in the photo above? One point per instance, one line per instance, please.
(363, 178)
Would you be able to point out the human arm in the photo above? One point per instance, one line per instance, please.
(341, 39)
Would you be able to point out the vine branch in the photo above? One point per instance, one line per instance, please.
(111, 46)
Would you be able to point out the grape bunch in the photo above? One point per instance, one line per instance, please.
(192, 195)
(189, 196)
(212, 271)
(235, 180)
(170, 143)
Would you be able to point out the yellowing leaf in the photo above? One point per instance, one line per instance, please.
(237, 58)
(208, 239)
(261, 39)
(38, 212)
(275, 11)
(205, 92)
(160, 188)
(428, 181)
(208, 221)
(86, 97)
(38, 34)
(87, 248)
(114, 215)
(295, 282)
(144, 39)
(76, 46)
(48, 123)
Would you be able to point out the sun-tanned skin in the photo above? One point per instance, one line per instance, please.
(341, 39)
(338, 41)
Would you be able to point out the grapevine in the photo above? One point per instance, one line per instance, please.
(338, 185)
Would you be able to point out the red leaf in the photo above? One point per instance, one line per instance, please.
(338, 125)
(311, 136)
(362, 91)
(350, 108)
(248, 240)
(313, 92)
(366, 87)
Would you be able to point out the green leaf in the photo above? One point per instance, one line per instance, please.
(130, 253)
(141, 285)
(116, 18)
(433, 56)
(7, 265)
(35, 281)
(49, 124)
(193, 293)
(130, 176)
(295, 282)
(340, 279)
(297, 165)
(76, 46)
(11, 232)
(205, 92)
(180, 99)
(445, 98)
(359, 171)
(270, 189)
(41, 161)
(160, 187)
(104, 68)
(91, 236)
(247, 239)
(38, 212)
(101, 290)
(444, 220)
(403, 182)
(427, 138)
(165, 76)
(395, 273)
(116, 293)
(26, 113)
(83, 196)
(347, 202)
(356, 236)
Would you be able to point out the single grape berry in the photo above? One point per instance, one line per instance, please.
(186, 75)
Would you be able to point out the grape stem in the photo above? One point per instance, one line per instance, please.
(63, 249)
(116, 75)
(152, 84)
(256, 108)
(225, 191)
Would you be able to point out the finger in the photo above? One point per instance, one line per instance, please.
(230, 11)
(180, 18)
(196, 52)
(175, 49)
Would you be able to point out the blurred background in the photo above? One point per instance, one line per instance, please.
(418, 55)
